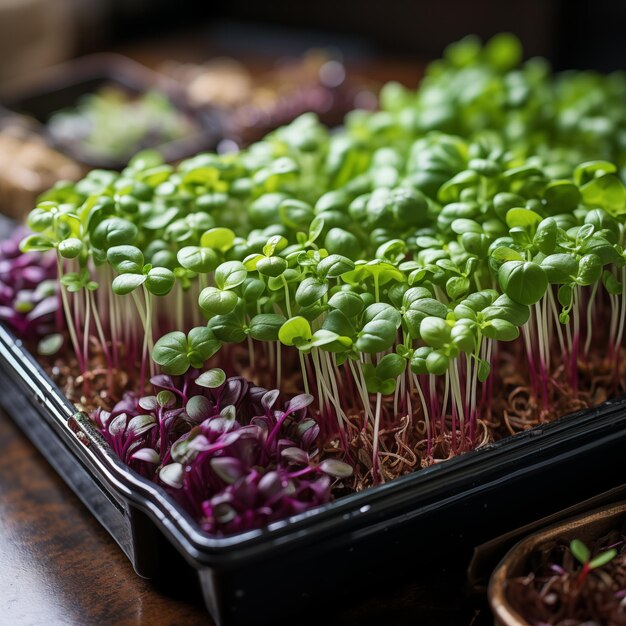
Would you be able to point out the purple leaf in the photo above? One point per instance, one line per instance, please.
(45, 308)
(251, 432)
(27, 301)
(166, 399)
(147, 454)
(228, 413)
(228, 439)
(127, 404)
(218, 460)
(256, 394)
(336, 468)
(263, 423)
(222, 511)
(233, 391)
(310, 436)
(148, 403)
(7, 313)
(269, 400)
(228, 469)
(102, 416)
(198, 408)
(248, 490)
(298, 403)
(200, 443)
(321, 489)
(271, 484)
(172, 414)
(182, 451)
(172, 475)
(214, 427)
(141, 423)
(163, 381)
(118, 425)
(34, 274)
(295, 456)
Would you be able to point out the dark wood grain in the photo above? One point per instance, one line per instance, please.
(57, 564)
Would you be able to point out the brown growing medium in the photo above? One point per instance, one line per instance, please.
(512, 409)
(98, 387)
(551, 592)
(509, 409)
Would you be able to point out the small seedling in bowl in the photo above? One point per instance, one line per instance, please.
(582, 554)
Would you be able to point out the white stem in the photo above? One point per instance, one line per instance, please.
(423, 401)
(86, 328)
(375, 461)
(357, 375)
(456, 392)
(622, 312)
(590, 312)
(444, 404)
(557, 322)
(335, 398)
(305, 378)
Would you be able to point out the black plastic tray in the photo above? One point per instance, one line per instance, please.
(299, 565)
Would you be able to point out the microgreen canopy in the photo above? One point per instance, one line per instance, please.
(382, 264)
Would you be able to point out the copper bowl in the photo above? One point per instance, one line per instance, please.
(586, 527)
